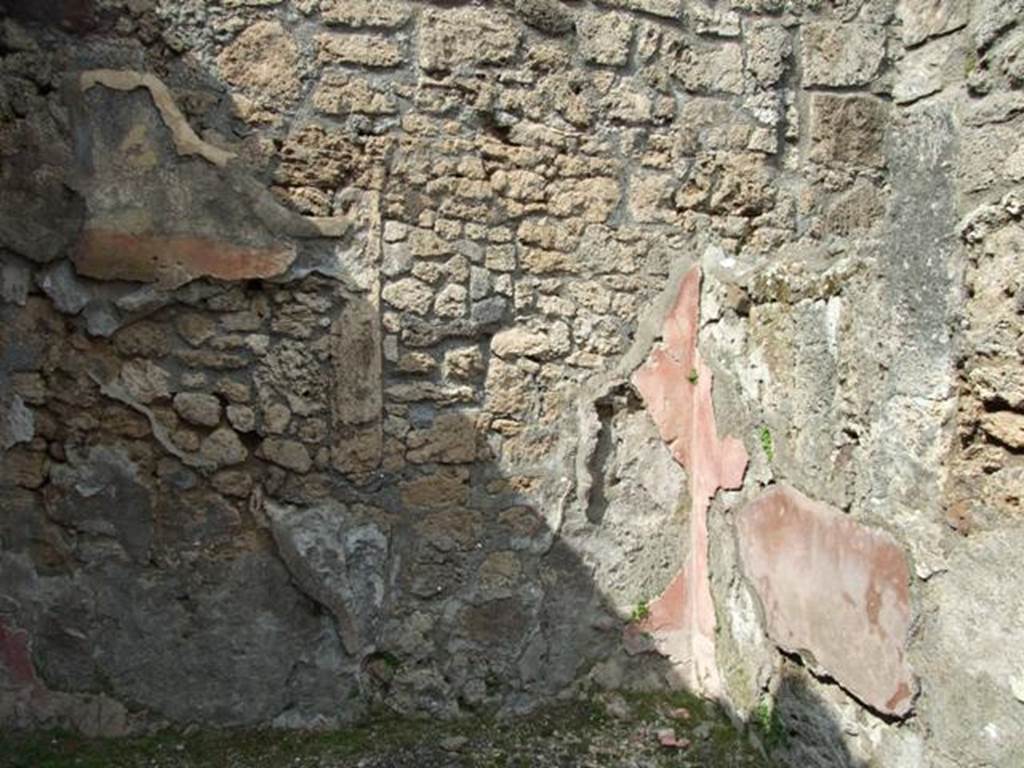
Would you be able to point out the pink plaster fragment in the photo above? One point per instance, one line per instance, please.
(16, 658)
(834, 590)
(675, 385)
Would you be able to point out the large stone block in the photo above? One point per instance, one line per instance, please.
(832, 590)
(848, 129)
(841, 54)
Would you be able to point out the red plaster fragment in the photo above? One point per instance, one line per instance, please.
(834, 588)
(667, 738)
(173, 260)
(16, 657)
(675, 385)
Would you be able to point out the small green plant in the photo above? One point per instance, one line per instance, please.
(970, 63)
(640, 611)
(769, 724)
(767, 444)
(692, 378)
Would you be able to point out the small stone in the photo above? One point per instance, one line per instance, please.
(358, 449)
(605, 37)
(453, 743)
(451, 439)
(276, 418)
(928, 69)
(241, 417)
(145, 381)
(195, 329)
(549, 16)
(841, 54)
(489, 311)
(552, 341)
(409, 295)
(186, 439)
(1005, 426)
(923, 19)
(451, 301)
(15, 280)
(454, 37)
(61, 284)
(263, 61)
(366, 50)
(480, 283)
(463, 363)
(509, 389)
(667, 738)
(198, 408)
(710, 69)
(848, 129)
(428, 391)
(448, 487)
(386, 14)
(17, 423)
(416, 362)
(233, 483)
(101, 319)
(234, 391)
(669, 9)
(222, 448)
(500, 258)
(395, 231)
(289, 454)
(341, 95)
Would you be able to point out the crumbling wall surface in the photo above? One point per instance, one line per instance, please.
(454, 355)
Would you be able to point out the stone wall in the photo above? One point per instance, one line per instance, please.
(454, 356)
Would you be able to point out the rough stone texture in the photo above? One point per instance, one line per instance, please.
(930, 18)
(605, 38)
(847, 129)
(367, 50)
(366, 13)
(818, 575)
(464, 36)
(198, 408)
(841, 54)
(929, 68)
(318, 322)
(263, 62)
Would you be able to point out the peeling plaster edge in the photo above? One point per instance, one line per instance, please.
(115, 391)
(187, 142)
(579, 451)
(185, 139)
(290, 556)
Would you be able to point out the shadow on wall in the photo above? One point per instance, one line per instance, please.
(222, 503)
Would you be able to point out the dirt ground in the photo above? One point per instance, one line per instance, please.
(629, 731)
